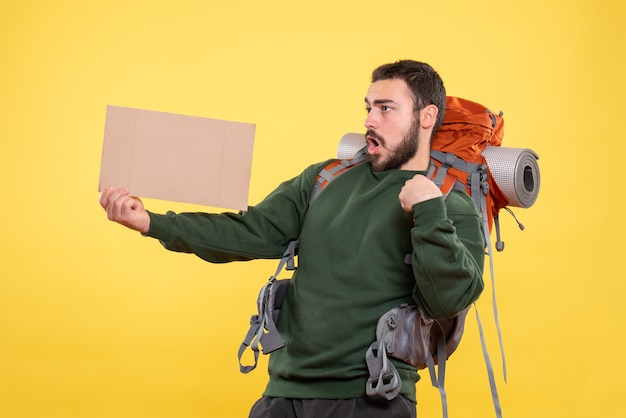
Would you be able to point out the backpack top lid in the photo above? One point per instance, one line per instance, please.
(467, 129)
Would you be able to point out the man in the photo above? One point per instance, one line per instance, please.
(353, 242)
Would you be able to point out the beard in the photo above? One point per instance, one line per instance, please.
(406, 149)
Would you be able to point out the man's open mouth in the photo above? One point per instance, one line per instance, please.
(374, 142)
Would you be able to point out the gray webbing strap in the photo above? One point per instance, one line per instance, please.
(288, 257)
(438, 379)
(447, 160)
(493, 291)
(328, 175)
(263, 320)
(479, 190)
(477, 179)
(492, 380)
(384, 380)
(253, 337)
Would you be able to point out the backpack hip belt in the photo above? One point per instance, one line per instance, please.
(407, 334)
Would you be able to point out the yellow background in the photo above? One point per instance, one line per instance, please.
(96, 321)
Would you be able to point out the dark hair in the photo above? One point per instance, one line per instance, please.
(425, 84)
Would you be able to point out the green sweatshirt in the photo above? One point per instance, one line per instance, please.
(351, 268)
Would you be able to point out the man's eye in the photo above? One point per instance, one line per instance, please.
(368, 109)
(385, 108)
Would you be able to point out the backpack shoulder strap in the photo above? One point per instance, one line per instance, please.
(264, 320)
(334, 170)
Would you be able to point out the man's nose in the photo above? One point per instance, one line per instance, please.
(370, 121)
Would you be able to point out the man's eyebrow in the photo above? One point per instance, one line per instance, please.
(379, 101)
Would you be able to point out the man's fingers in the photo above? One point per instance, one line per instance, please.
(417, 190)
(127, 205)
(124, 209)
(114, 201)
(104, 197)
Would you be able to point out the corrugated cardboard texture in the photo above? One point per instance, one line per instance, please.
(176, 157)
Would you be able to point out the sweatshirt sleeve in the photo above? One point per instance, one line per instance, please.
(261, 232)
(448, 254)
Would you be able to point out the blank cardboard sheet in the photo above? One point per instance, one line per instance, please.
(177, 157)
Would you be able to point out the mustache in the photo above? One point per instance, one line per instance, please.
(374, 135)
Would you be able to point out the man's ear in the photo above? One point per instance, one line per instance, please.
(428, 116)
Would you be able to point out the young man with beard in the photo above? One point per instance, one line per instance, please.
(353, 243)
